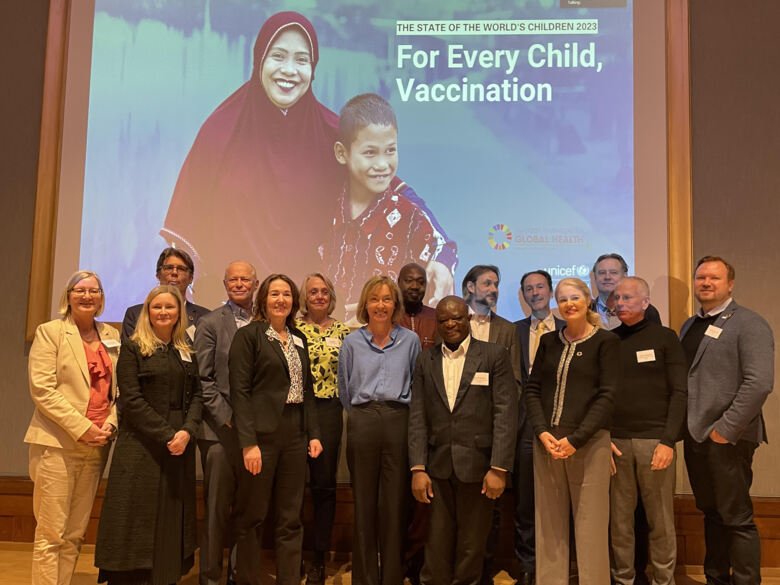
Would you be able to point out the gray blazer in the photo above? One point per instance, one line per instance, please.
(213, 337)
(731, 377)
(480, 430)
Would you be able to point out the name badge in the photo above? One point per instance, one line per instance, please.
(111, 343)
(297, 341)
(713, 332)
(185, 356)
(645, 355)
(191, 331)
(333, 342)
(481, 379)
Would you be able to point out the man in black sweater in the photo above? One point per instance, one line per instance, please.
(647, 422)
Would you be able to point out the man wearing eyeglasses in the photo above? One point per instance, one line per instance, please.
(174, 267)
(217, 444)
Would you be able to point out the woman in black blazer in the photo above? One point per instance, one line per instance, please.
(275, 419)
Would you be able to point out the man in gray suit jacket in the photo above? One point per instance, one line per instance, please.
(462, 428)
(730, 352)
(536, 291)
(480, 291)
(215, 440)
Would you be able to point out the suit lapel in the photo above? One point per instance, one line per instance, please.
(473, 360)
(722, 322)
(437, 374)
(229, 321)
(524, 332)
(493, 330)
(77, 347)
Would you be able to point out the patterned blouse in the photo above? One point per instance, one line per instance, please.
(293, 363)
(324, 346)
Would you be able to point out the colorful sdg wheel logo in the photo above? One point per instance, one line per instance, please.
(499, 237)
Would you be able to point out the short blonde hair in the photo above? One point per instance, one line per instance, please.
(592, 316)
(144, 335)
(304, 293)
(75, 278)
(373, 283)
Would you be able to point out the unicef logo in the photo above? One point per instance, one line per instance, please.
(583, 271)
(499, 237)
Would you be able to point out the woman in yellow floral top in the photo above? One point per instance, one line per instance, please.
(324, 336)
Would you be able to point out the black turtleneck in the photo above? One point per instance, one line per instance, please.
(652, 399)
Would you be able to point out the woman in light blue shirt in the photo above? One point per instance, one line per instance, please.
(375, 386)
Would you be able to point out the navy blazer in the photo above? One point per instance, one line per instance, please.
(731, 377)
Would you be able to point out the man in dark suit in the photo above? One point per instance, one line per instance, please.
(175, 267)
(480, 291)
(730, 352)
(216, 441)
(536, 291)
(462, 425)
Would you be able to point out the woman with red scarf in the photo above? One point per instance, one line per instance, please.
(261, 179)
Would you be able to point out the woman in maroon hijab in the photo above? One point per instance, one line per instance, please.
(258, 180)
(261, 179)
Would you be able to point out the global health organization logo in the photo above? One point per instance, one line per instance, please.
(568, 271)
(499, 237)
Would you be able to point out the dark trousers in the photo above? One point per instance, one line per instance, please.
(219, 492)
(282, 477)
(460, 523)
(378, 464)
(322, 471)
(523, 487)
(721, 476)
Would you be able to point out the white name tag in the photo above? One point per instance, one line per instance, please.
(332, 342)
(191, 331)
(111, 343)
(298, 341)
(481, 379)
(185, 356)
(646, 355)
(713, 331)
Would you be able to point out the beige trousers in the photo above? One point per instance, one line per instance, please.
(577, 486)
(65, 484)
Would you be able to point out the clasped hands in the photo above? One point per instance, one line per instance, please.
(557, 448)
(98, 437)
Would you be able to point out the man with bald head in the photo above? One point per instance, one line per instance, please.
(215, 440)
(648, 420)
(462, 430)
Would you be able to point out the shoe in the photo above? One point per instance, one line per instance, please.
(316, 574)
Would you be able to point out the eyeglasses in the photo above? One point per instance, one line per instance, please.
(173, 268)
(82, 292)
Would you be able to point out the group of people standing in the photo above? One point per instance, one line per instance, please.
(446, 405)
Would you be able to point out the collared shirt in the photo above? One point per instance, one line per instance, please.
(480, 325)
(324, 346)
(295, 395)
(717, 310)
(536, 334)
(369, 373)
(241, 315)
(608, 318)
(452, 369)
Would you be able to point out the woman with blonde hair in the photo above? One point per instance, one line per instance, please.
(73, 386)
(324, 336)
(375, 386)
(570, 397)
(147, 526)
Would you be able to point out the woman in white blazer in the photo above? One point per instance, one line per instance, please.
(71, 369)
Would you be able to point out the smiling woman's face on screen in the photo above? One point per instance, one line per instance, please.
(286, 70)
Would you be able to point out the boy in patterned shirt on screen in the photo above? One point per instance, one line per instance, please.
(377, 229)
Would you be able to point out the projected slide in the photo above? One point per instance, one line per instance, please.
(514, 140)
